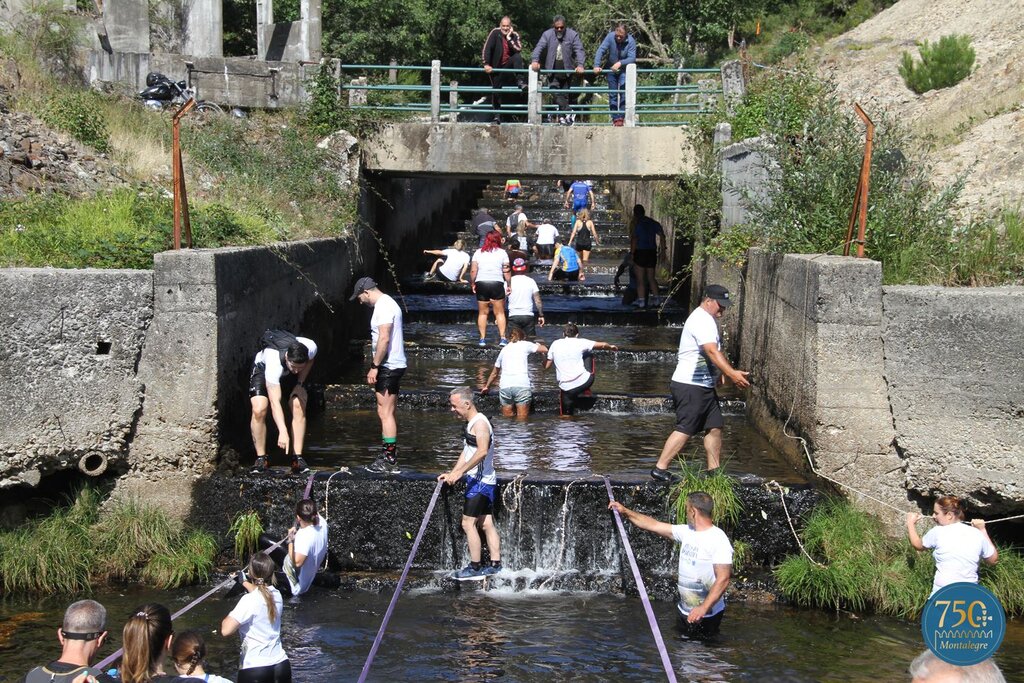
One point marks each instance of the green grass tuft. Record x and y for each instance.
(246, 528)
(718, 485)
(128, 535)
(190, 561)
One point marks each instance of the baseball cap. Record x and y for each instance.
(362, 284)
(719, 294)
(519, 265)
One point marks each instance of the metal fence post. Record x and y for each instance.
(630, 95)
(533, 103)
(453, 102)
(435, 90)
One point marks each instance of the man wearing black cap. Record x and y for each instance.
(693, 383)
(525, 310)
(81, 636)
(386, 367)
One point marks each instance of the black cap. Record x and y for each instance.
(719, 294)
(362, 284)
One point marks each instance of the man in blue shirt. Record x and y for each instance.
(581, 195)
(617, 50)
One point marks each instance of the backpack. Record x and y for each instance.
(278, 339)
(42, 674)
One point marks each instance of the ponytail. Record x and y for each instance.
(263, 572)
(188, 650)
(144, 636)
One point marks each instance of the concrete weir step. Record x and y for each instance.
(558, 309)
(487, 353)
(596, 284)
(359, 397)
(464, 333)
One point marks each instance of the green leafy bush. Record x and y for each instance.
(789, 43)
(246, 528)
(323, 112)
(78, 114)
(943, 64)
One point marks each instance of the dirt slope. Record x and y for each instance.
(977, 125)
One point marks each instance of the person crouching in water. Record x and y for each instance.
(476, 462)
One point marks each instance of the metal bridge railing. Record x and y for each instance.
(653, 97)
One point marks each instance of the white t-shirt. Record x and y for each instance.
(546, 233)
(514, 219)
(520, 299)
(261, 639)
(957, 549)
(567, 356)
(208, 678)
(484, 471)
(699, 552)
(513, 360)
(310, 541)
(273, 370)
(454, 260)
(490, 265)
(387, 311)
(693, 366)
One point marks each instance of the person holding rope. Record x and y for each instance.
(257, 617)
(476, 462)
(81, 636)
(957, 547)
(705, 563)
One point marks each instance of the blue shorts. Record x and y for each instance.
(578, 204)
(479, 498)
(511, 396)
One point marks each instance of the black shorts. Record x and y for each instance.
(583, 243)
(703, 629)
(527, 323)
(490, 291)
(388, 379)
(645, 258)
(258, 382)
(275, 673)
(570, 276)
(546, 250)
(568, 400)
(696, 408)
(442, 277)
(478, 506)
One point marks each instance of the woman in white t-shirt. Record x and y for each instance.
(451, 264)
(490, 275)
(188, 652)
(514, 388)
(257, 617)
(956, 546)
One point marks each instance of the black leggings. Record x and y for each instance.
(275, 673)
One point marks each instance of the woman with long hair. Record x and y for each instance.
(257, 617)
(490, 276)
(188, 652)
(956, 546)
(146, 639)
(583, 235)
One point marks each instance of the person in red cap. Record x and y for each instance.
(701, 365)
(525, 310)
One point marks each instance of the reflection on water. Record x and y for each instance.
(527, 636)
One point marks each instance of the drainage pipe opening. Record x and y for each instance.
(92, 464)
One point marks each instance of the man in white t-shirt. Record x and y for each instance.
(574, 368)
(280, 369)
(306, 548)
(451, 264)
(705, 562)
(700, 359)
(525, 309)
(386, 366)
(546, 234)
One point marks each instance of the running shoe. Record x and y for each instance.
(383, 465)
(664, 475)
(299, 465)
(261, 465)
(490, 570)
(482, 343)
(467, 573)
(428, 276)
(503, 342)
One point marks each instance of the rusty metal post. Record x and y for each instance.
(178, 179)
(859, 214)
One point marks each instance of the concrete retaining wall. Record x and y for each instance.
(812, 336)
(954, 365)
(72, 340)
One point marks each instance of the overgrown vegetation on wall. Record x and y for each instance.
(81, 546)
(855, 565)
(813, 145)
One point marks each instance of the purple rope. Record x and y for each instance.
(665, 661)
(223, 584)
(398, 588)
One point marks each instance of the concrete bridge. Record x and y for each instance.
(471, 150)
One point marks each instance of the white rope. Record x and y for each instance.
(782, 497)
(327, 507)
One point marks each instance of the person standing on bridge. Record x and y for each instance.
(700, 360)
(705, 563)
(561, 49)
(387, 365)
(572, 357)
(617, 50)
(503, 50)
(476, 463)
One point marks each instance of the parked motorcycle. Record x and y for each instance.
(161, 92)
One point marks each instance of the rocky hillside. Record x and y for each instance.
(975, 126)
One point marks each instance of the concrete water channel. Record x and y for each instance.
(565, 607)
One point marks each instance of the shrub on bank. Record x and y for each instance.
(857, 566)
(943, 64)
(77, 546)
(716, 484)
